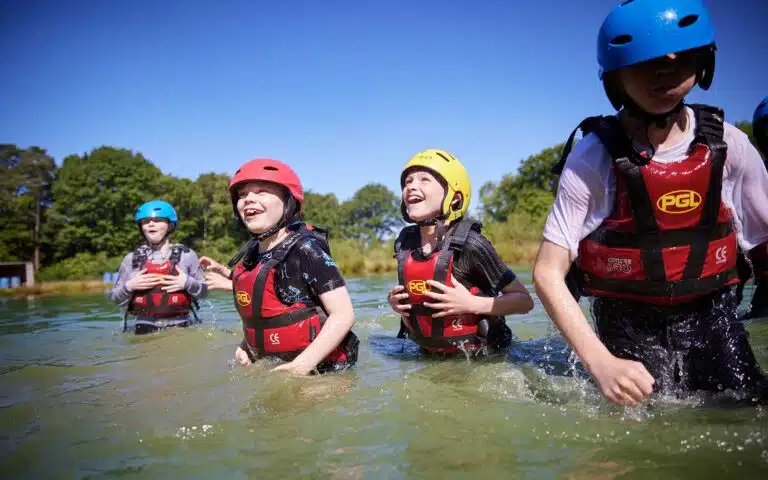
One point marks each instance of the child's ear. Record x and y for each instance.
(458, 201)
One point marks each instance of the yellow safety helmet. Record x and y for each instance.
(454, 176)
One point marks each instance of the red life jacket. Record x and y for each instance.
(441, 334)
(271, 327)
(156, 303)
(669, 238)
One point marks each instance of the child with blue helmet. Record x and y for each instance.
(758, 256)
(651, 207)
(159, 282)
(760, 127)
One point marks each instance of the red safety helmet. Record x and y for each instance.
(267, 170)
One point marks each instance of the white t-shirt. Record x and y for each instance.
(585, 195)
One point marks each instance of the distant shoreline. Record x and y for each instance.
(522, 255)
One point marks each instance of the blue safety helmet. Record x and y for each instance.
(640, 30)
(761, 112)
(157, 209)
(760, 128)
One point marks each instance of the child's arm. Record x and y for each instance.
(217, 276)
(514, 298)
(621, 381)
(195, 284)
(325, 284)
(341, 317)
(120, 293)
(480, 265)
(457, 300)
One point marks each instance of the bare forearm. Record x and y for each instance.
(333, 332)
(506, 304)
(569, 318)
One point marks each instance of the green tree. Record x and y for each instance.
(371, 214)
(96, 199)
(189, 203)
(25, 195)
(323, 210)
(220, 234)
(746, 127)
(531, 189)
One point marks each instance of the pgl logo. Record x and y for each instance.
(243, 299)
(679, 201)
(274, 338)
(418, 287)
(456, 324)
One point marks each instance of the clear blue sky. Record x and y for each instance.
(345, 91)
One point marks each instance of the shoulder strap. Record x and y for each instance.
(710, 126)
(405, 234)
(710, 129)
(279, 255)
(401, 254)
(585, 126)
(457, 238)
(243, 253)
(322, 234)
(628, 163)
(176, 252)
(140, 256)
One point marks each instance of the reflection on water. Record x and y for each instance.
(80, 398)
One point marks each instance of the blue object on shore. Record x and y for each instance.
(5, 282)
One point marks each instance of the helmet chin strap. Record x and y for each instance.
(659, 120)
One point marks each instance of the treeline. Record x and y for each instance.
(75, 220)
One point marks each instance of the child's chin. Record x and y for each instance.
(257, 229)
(419, 217)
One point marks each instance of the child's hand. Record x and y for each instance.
(143, 281)
(621, 381)
(175, 283)
(241, 357)
(216, 281)
(395, 296)
(454, 300)
(294, 368)
(211, 265)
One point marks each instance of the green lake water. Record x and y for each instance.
(81, 399)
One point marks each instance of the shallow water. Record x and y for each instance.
(79, 398)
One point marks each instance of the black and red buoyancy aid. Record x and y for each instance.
(271, 327)
(442, 334)
(156, 303)
(670, 238)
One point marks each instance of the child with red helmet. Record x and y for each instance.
(287, 289)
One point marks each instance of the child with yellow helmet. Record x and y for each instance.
(453, 289)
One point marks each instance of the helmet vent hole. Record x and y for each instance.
(443, 157)
(621, 39)
(687, 21)
(271, 168)
(762, 105)
(626, 3)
